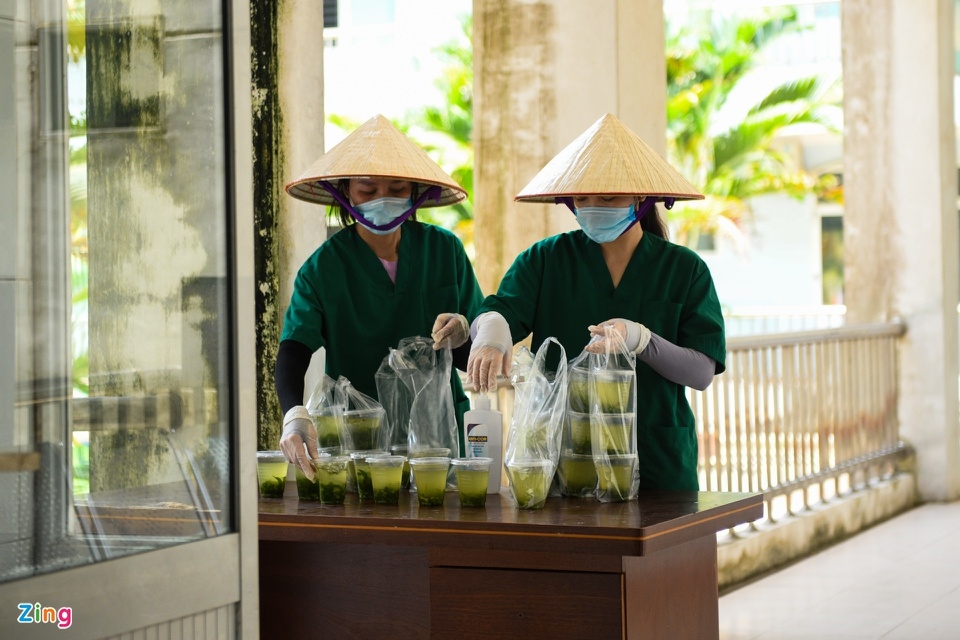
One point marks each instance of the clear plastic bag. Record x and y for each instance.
(396, 400)
(534, 436)
(326, 413)
(602, 420)
(425, 376)
(363, 419)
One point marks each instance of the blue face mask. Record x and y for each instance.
(605, 224)
(383, 211)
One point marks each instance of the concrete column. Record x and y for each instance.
(287, 52)
(544, 72)
(900, 220)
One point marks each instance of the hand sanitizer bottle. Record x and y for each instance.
(483, 435)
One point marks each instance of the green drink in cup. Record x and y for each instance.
(580, 441)
(613, 389)
(430, 477)
(307, 490)
(615, 474)
(271, 473)
(472, 477)
(427, 452)
(401, 450)
(328, 423)
(530, 482)
(361, 471)
(614, 431)
(361, 429)
(578, 475)
(385, 474)
(332, 478)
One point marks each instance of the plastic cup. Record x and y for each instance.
(472, 477)
(613, 432)
(271, 473)
(328, 423)
(332, 474)
(361, 471)
(430, 476)
(578, 475)
(615, 474)
(529, 482)
(614, 390)
(307, 489)
(428, 452)
(361, 429)
(385, 475)
(402, 450)
(580, 440)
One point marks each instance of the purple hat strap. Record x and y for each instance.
(645, 206)
(432, 192)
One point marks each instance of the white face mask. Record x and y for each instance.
(382, 211)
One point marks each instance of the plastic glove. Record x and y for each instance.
(634, 335)
(492, 344)
(450, 329)
(298, 429)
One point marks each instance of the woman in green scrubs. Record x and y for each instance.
(384, 278)
(618, 272)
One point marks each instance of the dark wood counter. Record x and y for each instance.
(575, 569)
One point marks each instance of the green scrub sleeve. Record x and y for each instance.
(516, 299)
(701, 322)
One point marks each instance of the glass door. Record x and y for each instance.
(118, 404)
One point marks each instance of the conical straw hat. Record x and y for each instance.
(608, 158)
(375, 149)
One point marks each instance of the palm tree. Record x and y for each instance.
(706, 59)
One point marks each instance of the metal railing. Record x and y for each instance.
(801, 416)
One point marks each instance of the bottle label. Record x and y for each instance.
(476, 440)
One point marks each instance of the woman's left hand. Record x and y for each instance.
(450, 329)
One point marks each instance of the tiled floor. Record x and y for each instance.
(899, 580)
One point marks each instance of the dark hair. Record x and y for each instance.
(652, 222)
(340, 212)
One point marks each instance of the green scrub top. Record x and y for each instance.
(561, 285)
(344, 300)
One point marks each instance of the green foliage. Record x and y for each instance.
(707, 60)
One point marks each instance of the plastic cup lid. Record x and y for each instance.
(480, 463)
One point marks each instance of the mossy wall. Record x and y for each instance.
(267, 190)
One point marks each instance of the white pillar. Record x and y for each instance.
(544, 72)
(900, 220)
(300, 87)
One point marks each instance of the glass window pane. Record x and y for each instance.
(119, 440)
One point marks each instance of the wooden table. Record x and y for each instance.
(575, 569)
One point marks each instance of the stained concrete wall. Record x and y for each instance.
(544, 72)
(900, 221)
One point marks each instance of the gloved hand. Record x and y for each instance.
(634, 335)
(298, 429)
(492, 344)
(450, 329)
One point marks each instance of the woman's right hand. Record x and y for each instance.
(492, 344)
(298, 429)
(483, 366)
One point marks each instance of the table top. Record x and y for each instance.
(654, 521)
